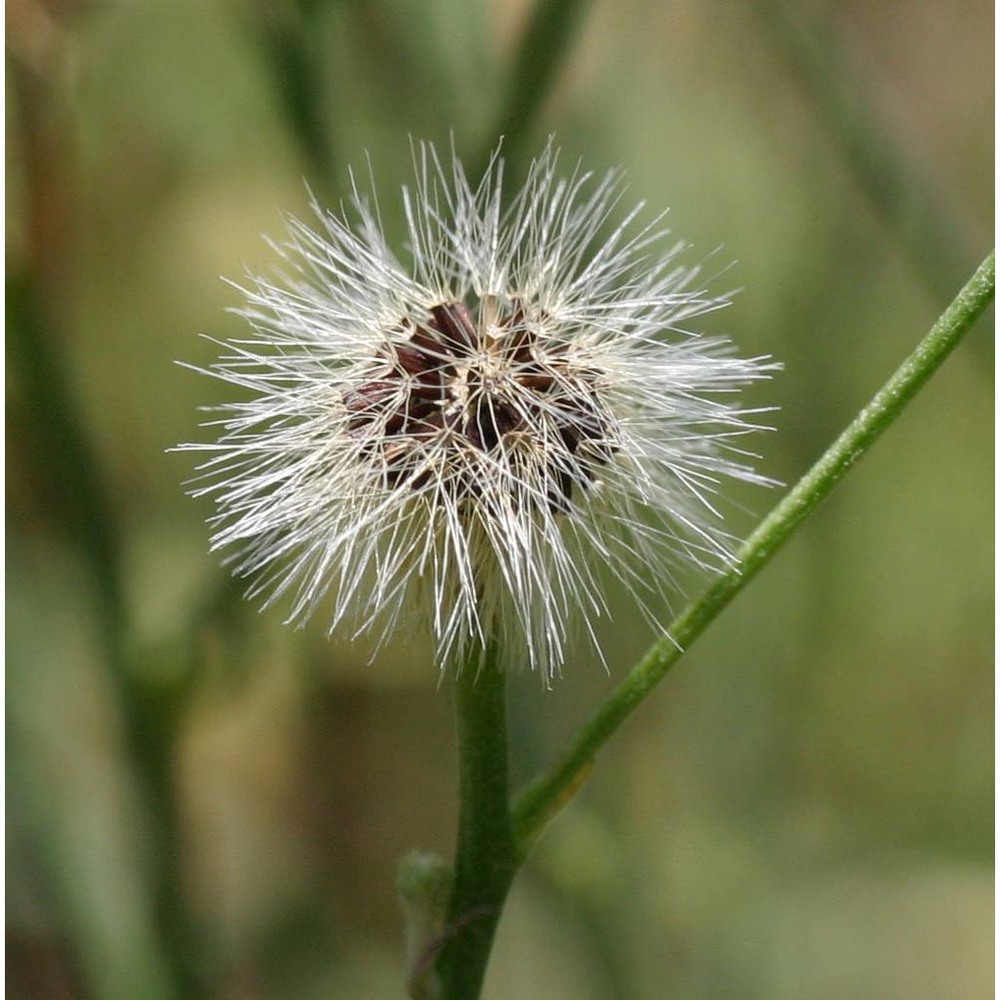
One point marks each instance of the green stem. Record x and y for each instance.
(546, 793)
(486, 856)
(544, 45)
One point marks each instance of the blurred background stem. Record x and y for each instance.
(537, 802)
(150, 713)
(911, 203)
(545, 43)
(296, 50)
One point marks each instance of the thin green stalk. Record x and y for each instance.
(544, 44)
(486, 855)
(545, 794)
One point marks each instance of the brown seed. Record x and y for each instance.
(455, 325)
(419, 401)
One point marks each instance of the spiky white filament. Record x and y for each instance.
(316, 520)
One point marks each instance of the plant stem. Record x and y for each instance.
(486, 857)
(69, 473)
(545, 42)
(545, 794)
(915, 211)
(293, 43)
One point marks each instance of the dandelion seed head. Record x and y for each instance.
(481, 433)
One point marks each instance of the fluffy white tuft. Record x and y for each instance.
(484, 431)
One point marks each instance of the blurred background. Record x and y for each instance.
(203, 804)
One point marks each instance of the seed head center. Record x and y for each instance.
(450, 391)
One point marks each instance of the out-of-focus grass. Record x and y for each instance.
(804, 809)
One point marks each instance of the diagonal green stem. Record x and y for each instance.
(486, 856)
(546, 793)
